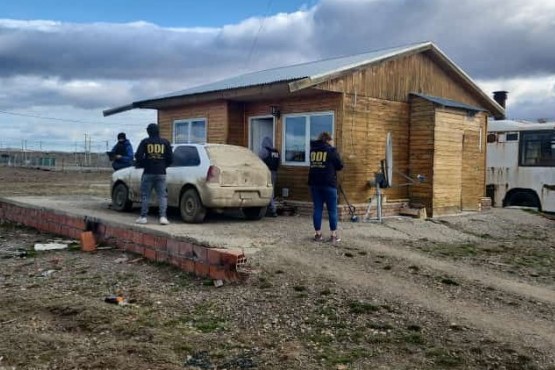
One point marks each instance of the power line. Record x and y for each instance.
(258, 33)
(51, 118)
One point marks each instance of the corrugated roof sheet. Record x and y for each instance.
(510, 125)
(295, 72)
(449, 103)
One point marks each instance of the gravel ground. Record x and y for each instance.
(475, 291)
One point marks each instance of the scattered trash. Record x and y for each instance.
(115, 299)
(47, 273)
(88, 241)
(50, 246)
(21, 253)
(136, 260)
(218, 283)
(121, 260)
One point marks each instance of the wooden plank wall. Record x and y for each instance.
(295, 178)
(421, 149)
(228, 123)
(395, 79)
(365, 126)
(216, 114)
(474, 162)
(459, 164)
(448, 159)
(237, 124)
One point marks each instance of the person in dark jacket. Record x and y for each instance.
(271, 157)
(154, 155)
(322, 179)
(122, 153)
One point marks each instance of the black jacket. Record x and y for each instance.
(154, 154)
(324, 162)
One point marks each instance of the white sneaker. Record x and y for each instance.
(141, 220)
(164, 221)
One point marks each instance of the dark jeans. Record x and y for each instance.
(321, 195)
(158, 182)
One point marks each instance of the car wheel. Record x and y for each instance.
(120, 198)
(191, 208)
(254, 213)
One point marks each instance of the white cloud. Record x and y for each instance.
(52, 67)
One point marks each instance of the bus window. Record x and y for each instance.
(537, 149)
(512, 136)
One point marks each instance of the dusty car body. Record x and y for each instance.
(204, 177)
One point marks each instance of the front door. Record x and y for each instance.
(259, 128)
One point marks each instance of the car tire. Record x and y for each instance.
(120, 198)
(191, 208)
(254, 213)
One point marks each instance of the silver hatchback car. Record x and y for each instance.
(204, 177)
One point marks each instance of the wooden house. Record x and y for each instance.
(436, 114)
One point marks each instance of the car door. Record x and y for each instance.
(186, 169)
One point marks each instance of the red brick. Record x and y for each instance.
(217, 273)
(175, 261)
(139, 249)
(161, 256)
(199, 253)
(229, 257)
(150, 254)
(201, 269)
(54, 228)
(88, 242)
(173, 247)
(188, 265)
(185, 249)
(137, 237)
(70, 232)
(213, 256)
(78, 223)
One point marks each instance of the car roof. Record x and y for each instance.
(209, 145)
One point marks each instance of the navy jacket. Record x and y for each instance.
(324, 164)
(125, 149)
(154, 154)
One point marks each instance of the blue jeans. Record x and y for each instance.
(321, 195)
(158, 182)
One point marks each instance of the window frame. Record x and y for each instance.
(189, 122)
(307, 123)
(522, 147)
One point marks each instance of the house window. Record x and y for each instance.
(189, 131)
(299, 130)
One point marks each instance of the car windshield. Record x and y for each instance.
(227, 155)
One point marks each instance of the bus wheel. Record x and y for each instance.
(524, 199)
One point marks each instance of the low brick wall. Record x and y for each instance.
(190, 256)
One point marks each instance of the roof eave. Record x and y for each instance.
(492, 106)
(318, 79)
(120, 109)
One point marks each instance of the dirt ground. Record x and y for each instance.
(475, 291)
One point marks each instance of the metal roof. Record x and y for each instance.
(450, 103)
(510, 125)
(301, 76)
(311, 70)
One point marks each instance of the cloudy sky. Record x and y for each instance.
(62, 62)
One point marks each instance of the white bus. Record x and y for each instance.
(520, 165)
